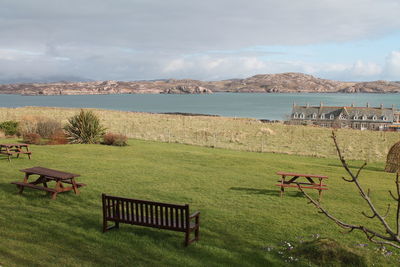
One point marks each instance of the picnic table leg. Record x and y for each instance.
(58, 189)
(29, 154)
(282, 188)
(45, 184)
(21, 188)
(8, 154)
(74, 186)
(18, 150)
(320, 190)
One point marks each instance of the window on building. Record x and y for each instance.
(301, 115)
(295, 115)
(323, 116)
(384, 118)
(355, 117)
(374, 118)
(364, 117)
(314, 115)
(342, 117)
(331, 117)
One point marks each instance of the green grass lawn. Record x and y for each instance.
(241, 211)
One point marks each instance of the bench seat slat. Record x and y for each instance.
(52, 190)
(287, 182)
(147, 222)
(310, 187)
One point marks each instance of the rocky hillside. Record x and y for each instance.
(262, 83)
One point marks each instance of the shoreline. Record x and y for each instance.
(216, 92)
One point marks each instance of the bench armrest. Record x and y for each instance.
(194, 215)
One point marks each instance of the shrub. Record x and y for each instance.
(58, 138)
(32, 138)
(9, 127)
(27, 125)
(113, 139)
(84, 128)
(46, 128)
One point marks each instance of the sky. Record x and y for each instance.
(349, 40)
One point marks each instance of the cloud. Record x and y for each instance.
(137, 39)
(393, 66)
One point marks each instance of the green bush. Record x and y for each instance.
(9, 127)
(84, 128)
(113, 139)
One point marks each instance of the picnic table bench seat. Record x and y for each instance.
(150, 214)
(22, 184)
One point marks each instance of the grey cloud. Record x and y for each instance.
(138, 39)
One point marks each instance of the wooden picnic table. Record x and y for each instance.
(49, 175)
(309, 184)
(11, 149)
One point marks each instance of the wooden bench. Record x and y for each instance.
(310, 184)
(151, 214)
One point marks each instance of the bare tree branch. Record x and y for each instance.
(347, 180)
(391, 194)
(361, 190)
(370, 217)
(388, 237)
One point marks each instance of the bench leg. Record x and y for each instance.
(196, 234)
(54, 195)
(106, 227)
(189, 241)
(187, 236)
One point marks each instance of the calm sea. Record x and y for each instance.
(251, 105)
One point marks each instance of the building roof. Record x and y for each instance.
(353, 113)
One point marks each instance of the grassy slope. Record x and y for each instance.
(238, 134)
(241, 211)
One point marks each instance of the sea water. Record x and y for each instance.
(250, 105)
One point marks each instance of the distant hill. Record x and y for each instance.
(262, 83)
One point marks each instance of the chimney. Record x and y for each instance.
(352, 105)
(294, 104)
(381, 106)
(321, 104)
(308, 105)
(393, 108)
(367, 105)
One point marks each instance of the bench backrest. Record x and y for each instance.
(147, 213)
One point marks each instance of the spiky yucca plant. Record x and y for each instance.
(84, 128)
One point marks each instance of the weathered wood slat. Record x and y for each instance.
(51, 190)
(302, 175)
(309, 187)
